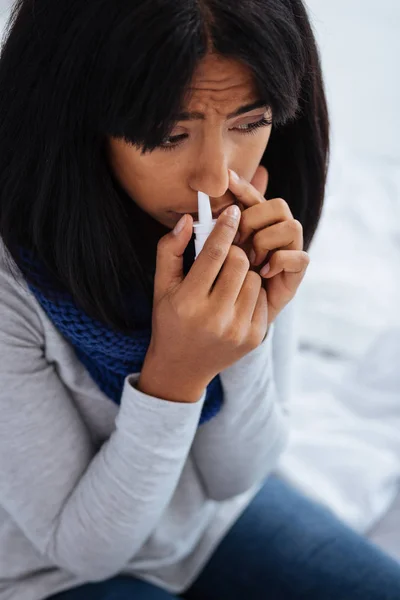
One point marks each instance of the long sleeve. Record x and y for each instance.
(241, 445)
(87, 510)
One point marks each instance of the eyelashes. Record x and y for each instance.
(251, 128)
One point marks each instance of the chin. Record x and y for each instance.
(165, 221)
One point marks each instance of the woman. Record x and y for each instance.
(141, 392)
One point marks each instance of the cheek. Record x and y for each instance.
(153, 183)
(250, 152)
(153, 186)
(142, 180)
(261, 141)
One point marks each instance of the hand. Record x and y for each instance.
(269, 231)
(206, 321)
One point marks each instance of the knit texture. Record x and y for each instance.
(109, 356)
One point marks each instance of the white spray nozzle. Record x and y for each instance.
(205, 213)
(204, 226)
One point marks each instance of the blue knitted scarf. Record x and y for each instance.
(108, 356)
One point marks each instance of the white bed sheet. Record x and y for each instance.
(345, 448)
(345, 445)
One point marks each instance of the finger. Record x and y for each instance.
(170, 249)
(230, 280)
(260, 180)
(248, 297)
(286, 235)
(263, 215)
(293, 264)
(210, 260)
(244, 191)
(260, 317)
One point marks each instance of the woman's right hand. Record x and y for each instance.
(206, 321)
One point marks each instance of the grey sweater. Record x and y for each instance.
(89, 489)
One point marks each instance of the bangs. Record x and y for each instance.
(262, 34)
(143, 75)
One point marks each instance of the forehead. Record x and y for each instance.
(222, 84)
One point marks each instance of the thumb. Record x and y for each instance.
(170, 250)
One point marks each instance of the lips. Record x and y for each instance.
(215, 214)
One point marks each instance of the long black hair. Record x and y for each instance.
(73, 72)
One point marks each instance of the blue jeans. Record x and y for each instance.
(283, 547)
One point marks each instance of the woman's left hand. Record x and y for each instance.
(269, 231)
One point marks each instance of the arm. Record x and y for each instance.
(88, 511)
(241, 445)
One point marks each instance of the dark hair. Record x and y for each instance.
(74, 71)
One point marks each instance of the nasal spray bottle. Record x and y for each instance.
(204, 226)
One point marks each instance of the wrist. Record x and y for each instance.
(160, 381)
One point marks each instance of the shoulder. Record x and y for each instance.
(19, 316)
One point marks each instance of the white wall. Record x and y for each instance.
(360, 47)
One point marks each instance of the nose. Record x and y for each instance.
(210, 173)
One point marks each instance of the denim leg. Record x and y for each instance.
(119, 588)
(286, 547)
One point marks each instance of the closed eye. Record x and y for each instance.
(264, 122)
(174, 141)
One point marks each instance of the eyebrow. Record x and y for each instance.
(194, 116)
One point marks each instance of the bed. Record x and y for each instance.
(345, 447)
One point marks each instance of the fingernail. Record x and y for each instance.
(233, 211)
(234, 176)
(252, 256)
(265, 270)
(180, 225)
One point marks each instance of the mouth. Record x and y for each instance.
(195, 215)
